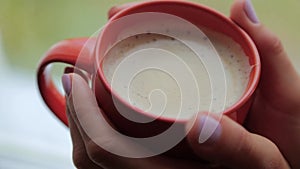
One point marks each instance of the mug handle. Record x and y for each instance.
(66, 51)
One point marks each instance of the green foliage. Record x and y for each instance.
(30, 27)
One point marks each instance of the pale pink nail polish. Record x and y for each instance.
(250, 11)
(67, 83)
(210, 130)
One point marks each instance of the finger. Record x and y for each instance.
(118, 8)
(100, 140)
(84, 75)
(80, 157)
(232, 146)
(278, 73)
(279, 85)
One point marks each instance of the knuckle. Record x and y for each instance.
(274, 160)
(93, 151)
(275, 46)
(243, 145)
(80, 160)
(97, 153)
(274, 164)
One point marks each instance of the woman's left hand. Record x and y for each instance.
(224, 147)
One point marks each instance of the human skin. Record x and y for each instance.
(269, 139)
(275, 113)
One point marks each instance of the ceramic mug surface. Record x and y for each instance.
(68, 51)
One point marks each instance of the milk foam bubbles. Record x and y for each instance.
(157, 91)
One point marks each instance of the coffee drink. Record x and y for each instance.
(157, 91)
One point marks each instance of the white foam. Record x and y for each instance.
(138, 92)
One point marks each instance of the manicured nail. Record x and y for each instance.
(250, 11)
(210, 130)
(67, 83)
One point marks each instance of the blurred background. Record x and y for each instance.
(30, 136)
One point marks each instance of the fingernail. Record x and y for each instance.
(210, 130)
(67, 83)
(250, 11)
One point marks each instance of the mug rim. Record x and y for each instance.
(252, 83)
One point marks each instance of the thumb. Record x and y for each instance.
(232, 146)
(276, 66)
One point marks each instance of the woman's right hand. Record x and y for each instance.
(275, 113)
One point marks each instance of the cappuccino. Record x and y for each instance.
(157, 91)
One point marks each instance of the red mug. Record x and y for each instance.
(68, 52)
